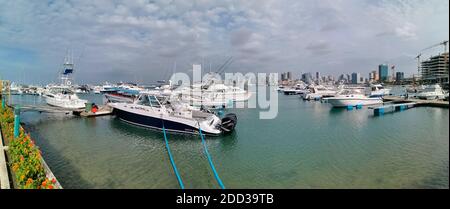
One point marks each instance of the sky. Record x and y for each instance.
(147, 40)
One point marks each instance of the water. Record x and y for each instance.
(309, 145)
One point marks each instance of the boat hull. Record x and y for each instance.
(157, 123)
(67, 104)
(353, 102)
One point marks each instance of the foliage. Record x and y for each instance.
(25, 156)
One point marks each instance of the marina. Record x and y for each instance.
(224, 95)
(112, 154)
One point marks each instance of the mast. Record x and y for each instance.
(68, 68)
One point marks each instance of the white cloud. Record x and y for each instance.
(146, 37)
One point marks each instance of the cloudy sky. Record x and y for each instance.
(141, 40)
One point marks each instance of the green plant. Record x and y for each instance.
(25, 156)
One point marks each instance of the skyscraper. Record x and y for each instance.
(356, 78)
(383, 72)
(376, 75)
(371, 76)
(399, 76)
(289, 75)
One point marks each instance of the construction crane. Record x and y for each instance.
(444, 43)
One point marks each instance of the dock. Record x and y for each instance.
(385, 108)
(398, 104)
(43, 109)
(102, 111)
(419, 102)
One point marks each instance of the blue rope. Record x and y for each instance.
(171, 159)
(216, 175)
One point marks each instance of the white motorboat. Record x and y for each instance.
(15, 89)
(319, 92)
(431, 92)
(293, 91)
(378, 90)
(118, 97)
(211, 96)
(352, 97)
(64, 97)
(280, 88)
(413, 91)
(152, 111)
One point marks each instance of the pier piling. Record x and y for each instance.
(16, 121)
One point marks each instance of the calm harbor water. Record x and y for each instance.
(309, 145)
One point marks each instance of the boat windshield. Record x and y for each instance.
(149, 100)
(60, 90)
(350, 91)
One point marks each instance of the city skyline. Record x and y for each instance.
(143, 41)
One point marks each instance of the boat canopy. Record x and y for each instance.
(148, 100)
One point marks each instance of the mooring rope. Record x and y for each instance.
(211, 164)
(175, 170)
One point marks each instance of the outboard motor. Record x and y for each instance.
(228, 123)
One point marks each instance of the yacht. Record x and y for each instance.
(120, 95)
(62, 95)
(413, 91)
(212, 96)
(156, 112)
(431, 92)
(352, 97)
(378, 90)
(319, 92)
(15, 89)
(280, 88)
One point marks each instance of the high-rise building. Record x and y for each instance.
(435, 69)
(307, 78)
(399, 76)
(356, 78)
(383, 72)
(289, 75)
(318, 76)
(376, 76)
(371, 77)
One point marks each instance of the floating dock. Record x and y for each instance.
(398, 104)
(419, 102)
(43, 109)
(380, 110)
